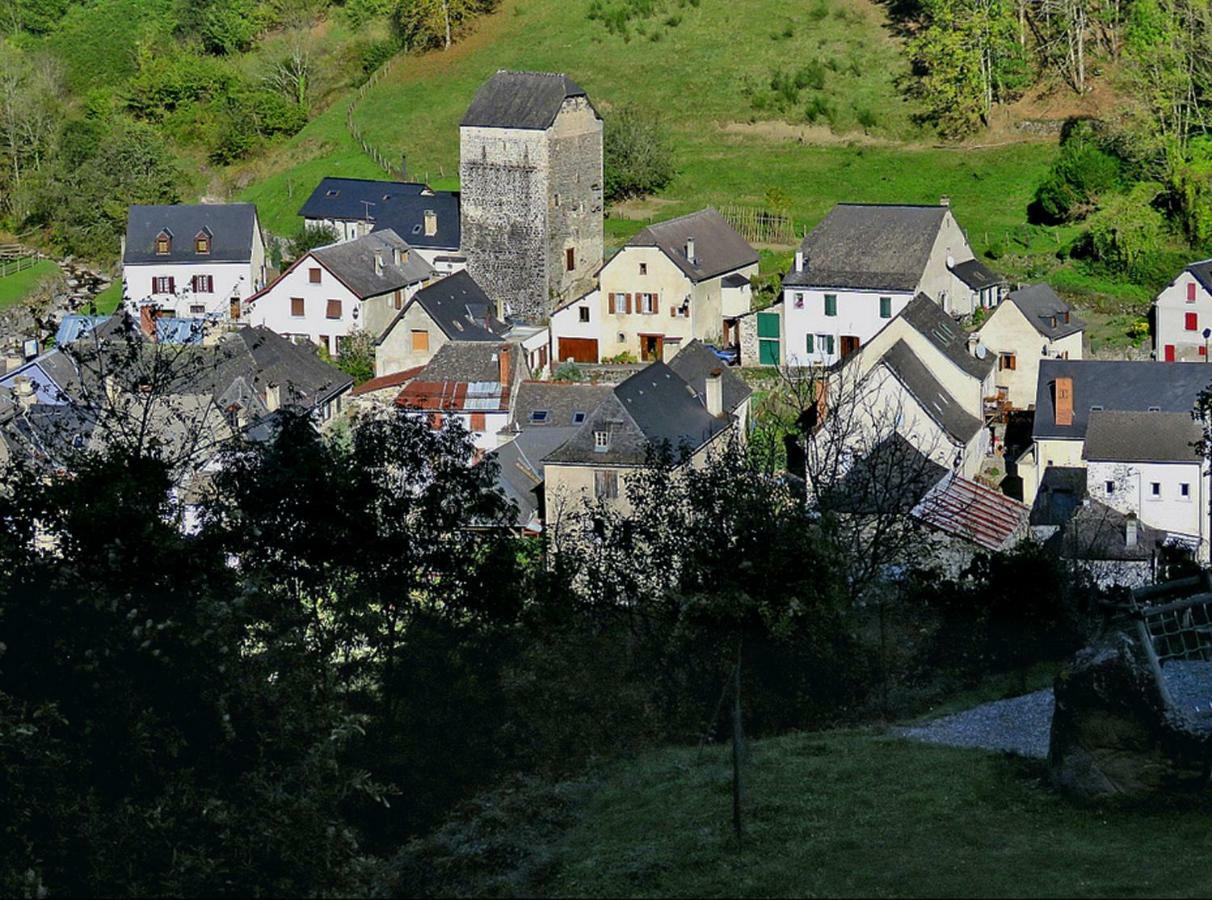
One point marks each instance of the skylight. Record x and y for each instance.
(578, 418)
(538, 415)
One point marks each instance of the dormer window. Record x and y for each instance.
(331, 193)
(202, 242)
(601, 441)
(164, 243)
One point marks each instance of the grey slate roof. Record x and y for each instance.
(469, 361)
(869, 246)
(458, 306)
(928, 318)
(1115, 385)
(717, 246)
(1203, 273)
(694, 362)
(935, 399)
(520, 469)
(1049, 314)
(529, 100)
(653, 407)
(398, 205)
(231, 227)
(560, 401)
(1097, 532)
(353, 262)
(976, 274)
(1117, 436)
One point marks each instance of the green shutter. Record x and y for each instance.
(885, 307)
(808, 343)
(829, 344)
(831, 304)
(768, 353)
(768, 325)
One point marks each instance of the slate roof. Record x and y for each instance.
(652, 408)
(735, 280)
(468, 361)
(893, 477)
(717, 246)
(1203, 273)
(977, 275)
(1097, 532)
(1117, 436)
(463, 376)
(353, 262)
(559, 403)
(1115, 385)
(869, 246)
(231, 226)
(528, 100)
(458, 306)
(935, 399)
(964, 508)
(1049, 314)
(396, 205)
(1061, 491)
(694, 362)
(520, 470)
(928, 318)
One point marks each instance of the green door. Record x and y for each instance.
(768, 353)
(768, 325)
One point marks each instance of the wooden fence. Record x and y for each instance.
(378, 156)
(14, 258)
(761, 226)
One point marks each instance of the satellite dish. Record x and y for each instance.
(981, 352)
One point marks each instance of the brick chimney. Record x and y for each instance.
(504, 360)
(431, 223)
(147, 321)
(715, 393)
(1062, 400)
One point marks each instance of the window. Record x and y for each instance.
(342, 343)
(296, 307)
(885, 307)
(203, 284)
(1184, 490)
(164, 284)
(477, 421)
(1155, 490)
(202, 243)
(1006, 361)
(1192, 321)
(570, 259)
(538, 416)
(809, 344)
(557, 200)
(606, 485)
(799, 300)
(164, 243)
(824, 344)
(646, 304)
(601, 441)
(1110, 485)
(578, 418)
(397, 299)
(313, 276)
(334, 309)
(643, 268)
(420, 341)
(1191, 292)
(583, 313)
(831, 304)
(197, 309)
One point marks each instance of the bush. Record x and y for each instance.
(1082, 174)
(1127, 229)
(638, 159)
(227, 26)
(818, 108)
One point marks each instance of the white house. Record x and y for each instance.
(355, 207)
(575, 329)
(192, 260)
(860, 267)
(1031, 324)
(330, 292)
(1181, 314)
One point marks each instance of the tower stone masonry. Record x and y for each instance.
(530, 171)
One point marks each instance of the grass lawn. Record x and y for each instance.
(858, 814)
(14, 287)
(107, 301)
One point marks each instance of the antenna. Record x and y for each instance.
(367, 204)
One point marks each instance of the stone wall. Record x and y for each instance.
(574, 206)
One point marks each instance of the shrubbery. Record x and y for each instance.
(638, 159)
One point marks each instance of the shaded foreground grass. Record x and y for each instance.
(858, 814)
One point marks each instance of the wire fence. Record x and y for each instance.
(379, 158)
(1181, 630)
(758, 225)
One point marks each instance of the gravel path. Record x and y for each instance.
(1022, 725)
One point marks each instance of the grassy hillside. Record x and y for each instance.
(709, 76)
(857, 814)
(13, 288)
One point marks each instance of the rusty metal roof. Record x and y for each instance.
(961, 507)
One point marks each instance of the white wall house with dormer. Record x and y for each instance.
(1181, 313)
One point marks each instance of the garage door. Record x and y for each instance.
(583, 350)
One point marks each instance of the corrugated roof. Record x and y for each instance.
(870, 246)
(966, 509)
(396, 205)
(718, 248)
(231, 227)
(1119, 436)
(528, 100)
(383, 382)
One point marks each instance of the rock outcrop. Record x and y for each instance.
(1115, 731)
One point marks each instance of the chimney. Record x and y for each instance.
(378, 262)
(24, 389)
(112, 389)
(147, 321)
(273, 397)
(395, 256)
(799, 260)
(431, 223)
(1062, 400)
(690, 248)
(1130, 530)
(944, 200)
(504, 358)
(1066, 317)
(715, 393)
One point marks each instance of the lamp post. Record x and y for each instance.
(1207, 334)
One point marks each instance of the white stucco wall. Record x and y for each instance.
(1009, 331)
(938, 282)
(1131, 491)
(1170, 310)
(230, 280)
(858, 314)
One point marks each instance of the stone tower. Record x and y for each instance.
(530, 171)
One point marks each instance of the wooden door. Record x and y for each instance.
(850, 343)
(582, 350)
(1169, 353)
(652, 347)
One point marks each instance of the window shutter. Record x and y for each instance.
(172, 284)
(1191, 292)
(334, 309)
(610, 303)
(829, 344)
(808, 343)
(627, 299)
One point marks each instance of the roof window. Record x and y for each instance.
(416, 229)
(578, 418)
(1154, 409)
(331, 193)
(538, 415)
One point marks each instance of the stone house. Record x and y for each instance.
(453, 308)
(331, 292)
(1031, 324)
(860, 267)
(1181, 314)
(192, 260)
(675, 281)
(760, 338)
(531, 205)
